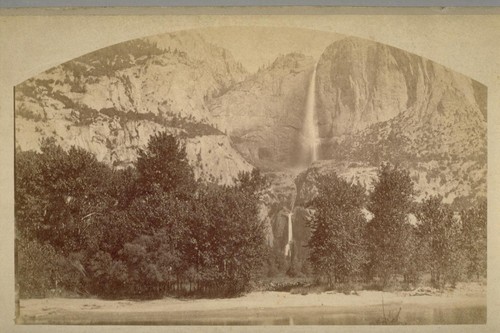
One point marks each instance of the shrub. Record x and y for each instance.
(41, 270)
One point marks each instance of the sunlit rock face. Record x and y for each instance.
(377, 103)
(111, 101)
(360, 83)
(265, 113)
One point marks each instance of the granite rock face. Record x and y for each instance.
(111, 101)
(360, 83)
(376, 103)
(265, 112)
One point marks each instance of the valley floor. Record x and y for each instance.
(465, 305)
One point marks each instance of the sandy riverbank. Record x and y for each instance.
(254, 308)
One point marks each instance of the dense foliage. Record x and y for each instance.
(387, 233)
(337, 245)
(153, 230)
(142, 232)
(440, 236)
(390, 247)
(474, 239)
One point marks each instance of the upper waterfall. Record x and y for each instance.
(310, 129)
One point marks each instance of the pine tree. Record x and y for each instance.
(336, 245)
(164, 164)
(440, 237)
(389, 230)
(474, 239)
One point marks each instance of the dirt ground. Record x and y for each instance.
(259, 308)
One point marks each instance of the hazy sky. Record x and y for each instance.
(257, 46)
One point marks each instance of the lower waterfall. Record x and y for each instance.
(290, 235)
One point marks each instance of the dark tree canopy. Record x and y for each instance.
(337, 249)
(387, 233)
(163, 163)
(474, 241)
(440, 235)
(57, 190)
(153, 230)
(142, 232)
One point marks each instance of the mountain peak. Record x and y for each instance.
(290, 60)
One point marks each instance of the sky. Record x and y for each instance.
(258, 46)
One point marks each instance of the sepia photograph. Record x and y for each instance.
(210, 172)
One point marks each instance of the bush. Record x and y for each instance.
(22, 111)
(43, 271)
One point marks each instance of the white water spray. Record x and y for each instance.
(290, 235)
(290, 228)
(310, 130)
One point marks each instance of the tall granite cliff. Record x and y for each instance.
(360, 83)
(377, 103)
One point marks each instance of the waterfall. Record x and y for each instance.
(290, 235)
(290, 226)
(310, 129)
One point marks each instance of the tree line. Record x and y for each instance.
(153, 230)
(147, 231)
(391, 247)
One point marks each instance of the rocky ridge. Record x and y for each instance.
(112, 100)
